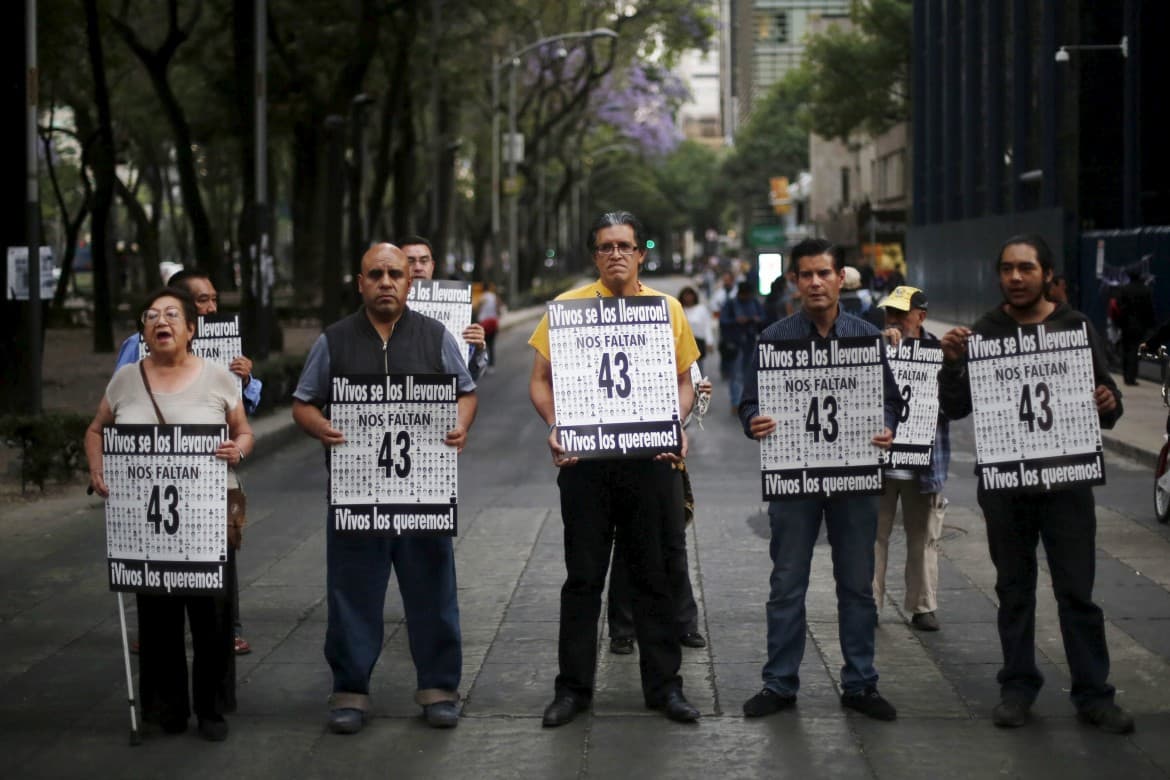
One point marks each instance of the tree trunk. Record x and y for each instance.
(103, 193)
(306, 210)
(404, 162)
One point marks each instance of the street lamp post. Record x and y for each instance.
(512, 61)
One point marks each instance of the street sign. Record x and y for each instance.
(18, 273)
(766, 235)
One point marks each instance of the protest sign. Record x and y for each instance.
(915, 366)
(166, 515)
(615, 382)
(446, 300)
(393, 475)
(826, 399)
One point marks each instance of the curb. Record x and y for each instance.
(1142, 455)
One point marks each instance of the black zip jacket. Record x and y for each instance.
(954, 389)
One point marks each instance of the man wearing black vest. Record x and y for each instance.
(385, 337)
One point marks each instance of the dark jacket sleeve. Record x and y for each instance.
(954, 390)
(1101, 376)
(749, 404)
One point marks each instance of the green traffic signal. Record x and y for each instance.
(651, 243)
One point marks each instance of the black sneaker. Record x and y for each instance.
(1108, 717)
(870, 703)
(1011, 713)
(621, 645)
(767, 702)
(924, 621)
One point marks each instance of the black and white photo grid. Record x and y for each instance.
(915, 367)
(1036, 424)
(394, 475)
(615, 383)
(445, 300)
(217, 340)
(826, 399)
(166, 515)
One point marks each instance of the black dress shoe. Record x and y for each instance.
(692, 639)
(621, 645)
(562, 710)
(677, 708)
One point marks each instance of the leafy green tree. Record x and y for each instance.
(860, 74)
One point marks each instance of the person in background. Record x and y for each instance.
(698, 317)
(1132, 312)
(919, 490)
(487, 312)
(740, 321)
(1058, 289)
(188, 390)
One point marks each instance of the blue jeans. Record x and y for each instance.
(852, 526)
(358, 572)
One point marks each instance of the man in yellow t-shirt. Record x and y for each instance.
(629, 498)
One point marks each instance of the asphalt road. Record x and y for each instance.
(62, 692)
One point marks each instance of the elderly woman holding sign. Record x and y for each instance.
(172, 386)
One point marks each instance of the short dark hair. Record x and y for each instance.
(1034, 240)
(180, 279)
(684, 291)
(612, 219)
(811, 247)
(416, 240)
(190, 313)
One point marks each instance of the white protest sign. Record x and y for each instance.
(915, 366)
(394, 475)
(18, 273)
(1036, 424)
(826, 399)
(166, 515)
(446, 300)
(615, 384)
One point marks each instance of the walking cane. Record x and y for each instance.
(135, 735)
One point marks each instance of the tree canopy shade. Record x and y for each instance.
(859, 76)
(773, 142)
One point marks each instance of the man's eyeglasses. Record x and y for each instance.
(172, 313)
(621, 248)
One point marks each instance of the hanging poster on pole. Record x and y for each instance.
(615, 383)
(445, 300)
(18, 273)
(394, 475)
(166, 515)
(1036, 423)
(915, 365)
(826, 399)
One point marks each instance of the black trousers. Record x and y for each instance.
(621, 612)
(632, 501)
(1130, 341)
(1066, 522)
(162, 659)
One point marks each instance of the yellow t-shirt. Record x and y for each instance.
(686, 351)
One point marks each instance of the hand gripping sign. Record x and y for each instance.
(393, 476)
(915, 366)
(826, 399)
(166, 515)
(615, 383)
(1036, 424)
(445, 300)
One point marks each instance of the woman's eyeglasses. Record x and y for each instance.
(172, 313)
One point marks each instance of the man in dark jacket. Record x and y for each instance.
(1134, 318)
(1065, 518)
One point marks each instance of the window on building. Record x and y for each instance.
(772, 26)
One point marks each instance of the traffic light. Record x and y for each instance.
(651, 243)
